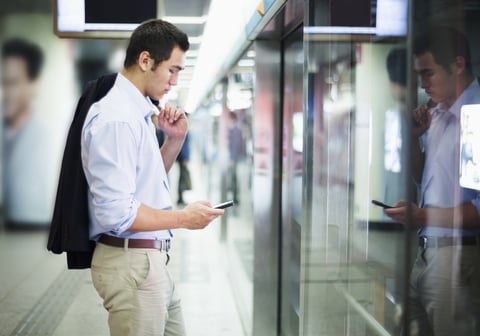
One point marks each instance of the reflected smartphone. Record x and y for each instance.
(383, 205)
(224, 205)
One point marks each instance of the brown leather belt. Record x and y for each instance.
(162, 245)
(425, 242)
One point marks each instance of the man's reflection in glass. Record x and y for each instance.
(445, 281)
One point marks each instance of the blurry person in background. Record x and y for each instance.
(444, 291)
(29, 184)
(236, 149)
(184, 179)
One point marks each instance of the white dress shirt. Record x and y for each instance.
(440, 186)
(122, 162)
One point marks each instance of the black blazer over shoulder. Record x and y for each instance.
(69, 231)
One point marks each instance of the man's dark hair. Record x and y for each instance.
(158, 37)
(445, 44)
(28, 51)
(397, 66)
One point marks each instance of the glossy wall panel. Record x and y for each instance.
(267, 187)
(292, 150)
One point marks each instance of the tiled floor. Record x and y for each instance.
(34, 285)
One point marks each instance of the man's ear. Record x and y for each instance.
(144, 60)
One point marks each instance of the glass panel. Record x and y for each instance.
(353, 256)
(445, 50)
(222, 131)
(240, 231)
(364, 269)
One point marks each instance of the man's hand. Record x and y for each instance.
(199, 214)
(399, 213)
(172, 121)
(421, 120)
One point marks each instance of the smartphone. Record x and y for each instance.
(383, 205)
(224, 205)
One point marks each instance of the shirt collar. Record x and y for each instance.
(468, 96)
(145, 105)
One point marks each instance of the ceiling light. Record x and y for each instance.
(186, 19)
(195, 39)
(246, 63)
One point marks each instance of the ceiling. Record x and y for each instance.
(186, 8)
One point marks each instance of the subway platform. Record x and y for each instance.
(39, 296)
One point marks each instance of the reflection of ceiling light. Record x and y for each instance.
(186, 19)
(246, 63)
(225, 18)
(251, 53)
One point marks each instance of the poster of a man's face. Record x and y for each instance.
(27, 161)
(21, 66)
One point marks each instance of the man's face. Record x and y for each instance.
(17, 87)
(160, 81)
(437, 82)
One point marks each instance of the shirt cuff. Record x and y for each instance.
(127, 223)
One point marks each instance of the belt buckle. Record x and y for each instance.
(423, 242)
(162, 245)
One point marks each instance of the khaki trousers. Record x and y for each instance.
(445, 292)
(137, 291)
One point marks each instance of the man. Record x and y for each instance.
(29, 146)
(236, 153)
(445, 281)
(129, 198)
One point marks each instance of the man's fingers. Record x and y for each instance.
(172, 113)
